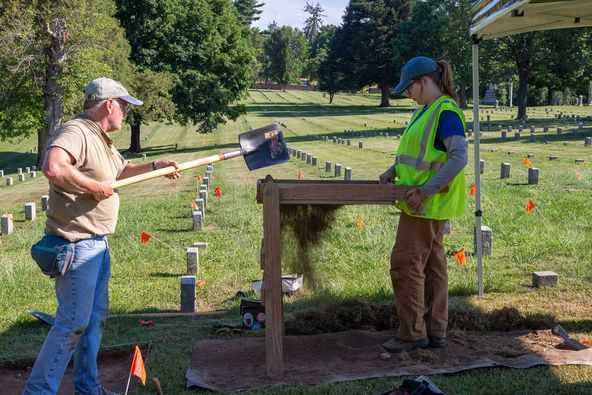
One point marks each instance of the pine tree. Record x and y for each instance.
(313, 24)
(249, 10)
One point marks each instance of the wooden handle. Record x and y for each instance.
(167, 170)
(156, 385)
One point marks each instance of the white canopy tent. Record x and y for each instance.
(499, 18)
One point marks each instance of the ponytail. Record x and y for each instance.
(444, 79)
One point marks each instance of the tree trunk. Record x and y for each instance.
(54, 92)
(384, 93)
(135, 145)
(462, 95)
(331, 95)
(522, 92)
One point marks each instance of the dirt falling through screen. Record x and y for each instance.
(303, 227)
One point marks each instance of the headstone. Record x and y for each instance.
(314, 161)
(544, 279)
(580, 126)
(30, 213)
(505, 171)
(203, 194)
(192, 260)
(339, 140)
(520, 128)
(504, 136)
(209, 174)
(144, 157)
(581, 100)
(303, 156)
(188, 294)
(486, 240)
(348, 142)
(342, 141)
(348, 173)
(588, 142)
(298, 154)
(490, 96)
(1, 173)
(9, 181)
(530, 156)
(21, 177)
(553, 158)
(196, 217)
(206, 181)
(578, 161)
(533, 176)
(532, 138)
(201, 206)
(509, 128)
(360, 144)
(398, 137)
(546, 129)
(532, 129)
(33, 174)
(308, 159)
(6, 224)
(27, 169)
(559, 130)
(338, 170)
(327, 167)
(481, 166)
(44, 202)
(19, 171)
(517, 136)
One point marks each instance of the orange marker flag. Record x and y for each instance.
(530, 206)
(460, 256)
(473, 190)
(199, 178)
(193, 205)
(138, 369)
(145, 237)
(578, 175)
(360, 223)
(218, 191)
(300, 175)
(201, 282)
(526, 162)
(584, 342)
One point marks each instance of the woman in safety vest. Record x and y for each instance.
(432, 155)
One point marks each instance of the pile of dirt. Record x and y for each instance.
(306, 224)
(364, 315)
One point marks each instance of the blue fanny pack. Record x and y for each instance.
(53, 255)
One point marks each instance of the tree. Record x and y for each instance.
(51, 49)
(318, 51)
(203, 44)
(249, 10)
(313, 24)
(286, 48)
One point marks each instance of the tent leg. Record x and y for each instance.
(477, 129)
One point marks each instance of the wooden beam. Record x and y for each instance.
(272, 281)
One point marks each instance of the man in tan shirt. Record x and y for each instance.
(80, 164)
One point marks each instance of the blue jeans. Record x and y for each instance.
(83, 303)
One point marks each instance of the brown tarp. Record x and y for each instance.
(239, 363)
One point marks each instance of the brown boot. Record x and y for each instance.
(397, 345)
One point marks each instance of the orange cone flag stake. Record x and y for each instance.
(526, 162)
(145, 237)
(138, 369)
(530, 206)
(218, 192)
(199, 178)
(578, 175)
(360, 223)
(201, 282)
(193, 205)
(473, 190)
(460, 256)
(300, 175)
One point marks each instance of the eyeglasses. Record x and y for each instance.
(124, 106)
(407, 93)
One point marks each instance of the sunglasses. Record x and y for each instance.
(125, 106)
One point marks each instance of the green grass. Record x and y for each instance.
(351, 262)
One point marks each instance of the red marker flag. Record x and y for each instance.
(201, 282)
(460, 256)
(526, 162)
(530, 206)
(145, 237)
(138, 369)
(199, 178)
(300, 175)
(360, 223)
(193, 205)
(473, 190)
(218, 191)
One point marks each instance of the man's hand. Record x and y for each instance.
(160, 164)
(387, 176)
(415, 198)
(103, 190)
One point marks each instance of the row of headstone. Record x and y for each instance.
(7, 226)
(347, 176)
(188, 281)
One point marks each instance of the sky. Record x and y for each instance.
(290, 12)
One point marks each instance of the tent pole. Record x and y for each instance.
(477, 129)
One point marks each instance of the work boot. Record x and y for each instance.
(437, 341)
(397, 345)
(102, 391)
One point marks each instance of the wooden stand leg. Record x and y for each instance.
(272, 282)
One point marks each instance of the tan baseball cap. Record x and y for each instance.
(106, 88)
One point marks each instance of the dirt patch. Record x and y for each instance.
(363, 315)
(305, 224)
(113, 370)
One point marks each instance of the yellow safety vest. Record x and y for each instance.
(418, 161)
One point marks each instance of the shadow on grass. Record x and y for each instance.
(10, 161)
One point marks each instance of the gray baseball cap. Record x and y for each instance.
(106, 88)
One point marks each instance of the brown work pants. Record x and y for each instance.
(420, 279)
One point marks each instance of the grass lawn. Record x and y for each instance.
(350, 262)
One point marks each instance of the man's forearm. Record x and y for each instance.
(131, 170)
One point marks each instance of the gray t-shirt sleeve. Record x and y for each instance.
(458, 157)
